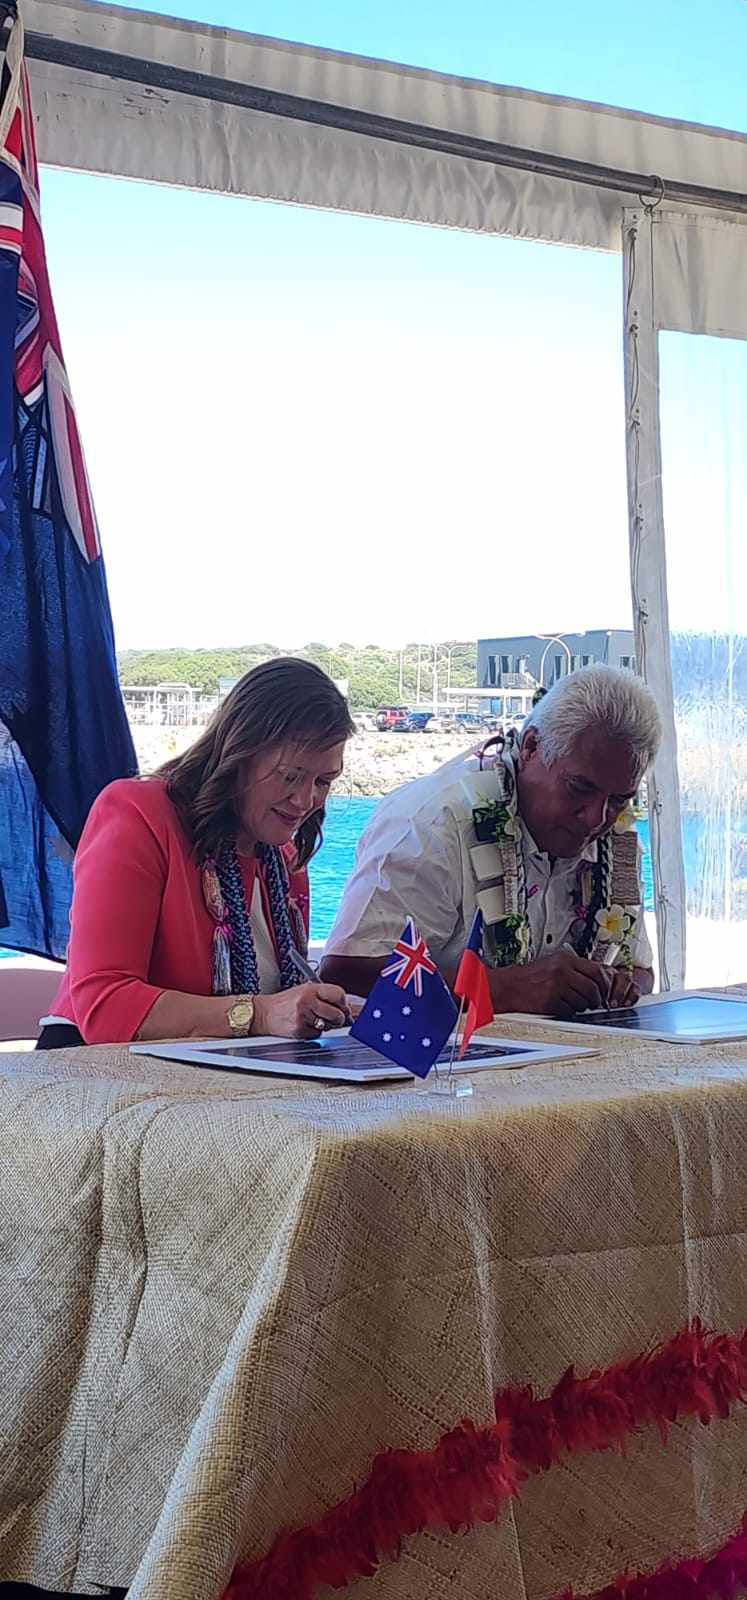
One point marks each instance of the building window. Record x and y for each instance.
(491, 672)
(625, 662)
(506, 663)
(586, 661)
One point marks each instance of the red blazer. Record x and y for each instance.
(138, 923)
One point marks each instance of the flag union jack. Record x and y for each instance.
(411, 960)
(409, 1013)
(63, 729)
(39, 367)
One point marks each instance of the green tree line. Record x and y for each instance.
(374, 673)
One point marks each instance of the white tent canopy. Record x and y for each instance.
(97, 124)
(685, 258)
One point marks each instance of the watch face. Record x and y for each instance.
(241, 1013)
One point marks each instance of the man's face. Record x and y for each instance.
(580, 797)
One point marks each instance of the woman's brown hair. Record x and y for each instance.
(282, 701)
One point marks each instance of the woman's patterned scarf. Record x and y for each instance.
(235, 967)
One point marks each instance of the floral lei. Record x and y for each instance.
(600, 921)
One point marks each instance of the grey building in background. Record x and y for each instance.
(514, 663)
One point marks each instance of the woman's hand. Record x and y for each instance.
(296, 1013)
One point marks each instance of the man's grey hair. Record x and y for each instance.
(617, 703)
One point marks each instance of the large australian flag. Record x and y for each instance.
(63, 729)
(409, 1013)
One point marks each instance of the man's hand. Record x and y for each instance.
(556, 986)
(624, 990)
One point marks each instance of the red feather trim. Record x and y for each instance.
(718, 1577)
(473, 1469)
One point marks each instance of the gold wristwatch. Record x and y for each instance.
(240, 1016)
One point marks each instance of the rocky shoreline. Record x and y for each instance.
(379, 762)
(376, 762)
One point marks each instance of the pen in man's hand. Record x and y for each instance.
(607, 960)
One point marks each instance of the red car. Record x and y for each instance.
(392, 719)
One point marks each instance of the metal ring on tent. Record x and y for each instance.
(651, 204)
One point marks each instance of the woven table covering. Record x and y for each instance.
(222, 1296)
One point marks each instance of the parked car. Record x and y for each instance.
(365, 722)
(392, 719)
(418, 720)
(470, 723)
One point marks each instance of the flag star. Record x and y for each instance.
(387, 1038)
(403, 1036)
(377, 1013)
(407, 1011)
(425, 1043)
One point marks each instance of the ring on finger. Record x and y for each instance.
(318, 1024)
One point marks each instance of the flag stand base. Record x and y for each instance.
(450, 1086)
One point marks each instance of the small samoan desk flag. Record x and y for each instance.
(409, 1014)
(471, 984)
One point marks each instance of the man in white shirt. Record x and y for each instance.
(538, 841)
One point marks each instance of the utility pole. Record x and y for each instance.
(552, 638)
(417, 686)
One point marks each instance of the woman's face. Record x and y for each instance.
(282, 788)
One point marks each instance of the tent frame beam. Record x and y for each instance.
(250, 97)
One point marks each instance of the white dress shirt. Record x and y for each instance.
(414, 860)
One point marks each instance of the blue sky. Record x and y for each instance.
(305, 425)
(672, 58)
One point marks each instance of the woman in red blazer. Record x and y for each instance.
(190, 891)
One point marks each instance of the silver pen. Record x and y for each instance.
(302, 967)
(608, 960)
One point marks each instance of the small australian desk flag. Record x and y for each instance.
(409, 1013)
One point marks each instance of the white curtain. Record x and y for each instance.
(686, 418)
(704, 475)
